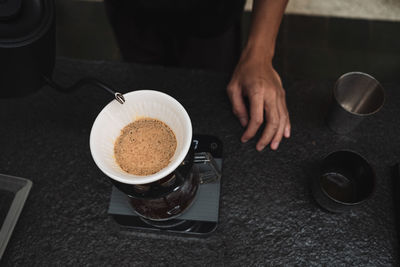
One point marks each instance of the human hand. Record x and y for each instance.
(256, 79)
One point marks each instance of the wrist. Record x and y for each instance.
(259, 52)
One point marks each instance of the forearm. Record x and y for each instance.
(256, 78)
(266, 19)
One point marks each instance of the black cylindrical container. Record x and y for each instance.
(346, 180)
(27, 45)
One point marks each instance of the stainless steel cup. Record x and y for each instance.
(356, 95)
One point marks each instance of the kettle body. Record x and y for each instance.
(27, 45)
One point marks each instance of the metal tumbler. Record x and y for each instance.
(356, 95)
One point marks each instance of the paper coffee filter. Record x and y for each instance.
(114, 117)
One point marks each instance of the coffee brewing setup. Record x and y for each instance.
(183, 196)
(183, 199)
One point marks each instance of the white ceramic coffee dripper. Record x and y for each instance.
(115, 116)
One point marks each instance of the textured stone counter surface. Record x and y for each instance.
(267, 215)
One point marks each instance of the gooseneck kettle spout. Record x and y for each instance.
(86, 81)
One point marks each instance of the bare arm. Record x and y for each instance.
(266, 19)
(255, 78)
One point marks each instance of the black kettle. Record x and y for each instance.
(27, 45)
(27, 49)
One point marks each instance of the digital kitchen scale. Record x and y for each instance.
(201, 218)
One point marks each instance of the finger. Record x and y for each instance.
(238, 106)
(288, 125)
(282, 124)
(272, 126)
(287, 129)
(256, 116)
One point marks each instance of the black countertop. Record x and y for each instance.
(267, 216)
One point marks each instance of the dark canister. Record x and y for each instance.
(346, 180)
(27, 45)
